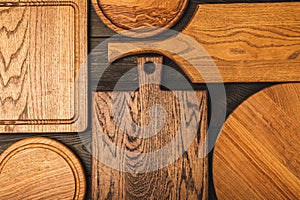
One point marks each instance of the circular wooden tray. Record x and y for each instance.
(40, 168)
(140, 18)
(257, 153)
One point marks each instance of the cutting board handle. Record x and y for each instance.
(149, 71)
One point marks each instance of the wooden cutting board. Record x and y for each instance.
(257, 154)
(140, 18)
(43, 77)
(247, 42)
(40, 168)
(122, 165)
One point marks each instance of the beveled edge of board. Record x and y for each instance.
(133, 33)
(78, 122)
(57, 147)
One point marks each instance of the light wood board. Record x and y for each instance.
(43, 74)
(257, 153)
(185, 178)
(40, 168)
(139, 18)
(247, 42)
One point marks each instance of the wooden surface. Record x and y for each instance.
(250, 42)
(236, 92)
(247, 42)
(139, 18)
(257, 154)
(42, 78)
(186, 178)
(40, 168)
(78, 145)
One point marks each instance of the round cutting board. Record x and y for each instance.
(40, 168)
(257, 153)
(140, 18)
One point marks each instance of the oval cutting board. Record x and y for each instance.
(257, 153)
(40, 168)
(140, 18)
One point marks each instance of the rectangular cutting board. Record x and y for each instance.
(140, 152)
(43, 73)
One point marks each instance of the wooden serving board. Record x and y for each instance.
(140, 18)
(257, 154)
(43, 75)
(40, 168)
(247, 42)
(134, 175)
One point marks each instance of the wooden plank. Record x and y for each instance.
(236, 92)
(250, 42)
(185, 178)
(40, 168)
(42, 71)
(113, 73)
(139, 18)
(257, 153)
(253, 43)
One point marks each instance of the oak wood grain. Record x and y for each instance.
(257, 154)
(40, 168)
(185, 178)
(42, 72)
(139, 18)
(253, 43)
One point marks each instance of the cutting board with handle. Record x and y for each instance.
(149, 143)
(43, 76)
(257, 153)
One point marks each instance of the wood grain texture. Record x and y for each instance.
(185, 178)
(99, 29)
(250, 42)
(42, 71)
(247, 42)
(79, 144)
(257, 154)
(235, 92)
(139, 18)
(40, 168)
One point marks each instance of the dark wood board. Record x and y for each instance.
(145, 175)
